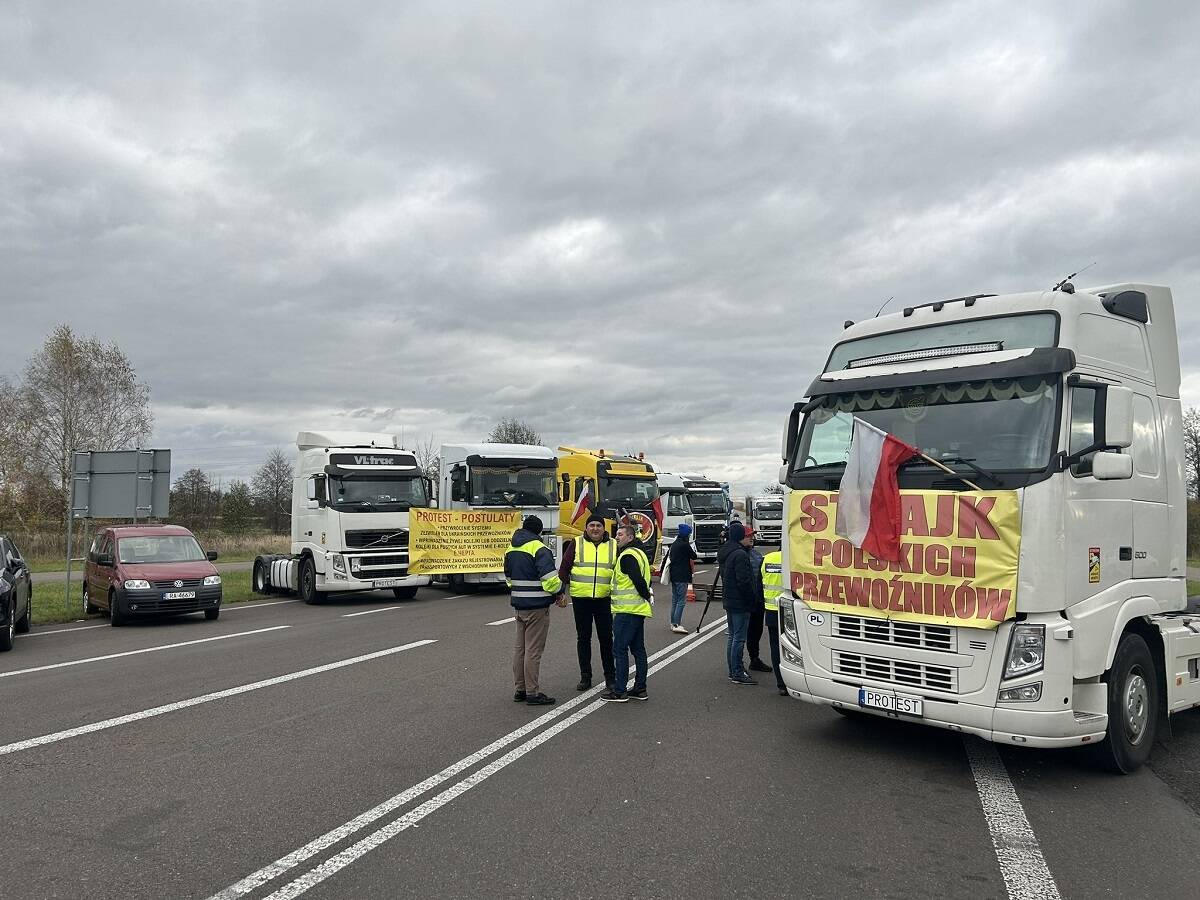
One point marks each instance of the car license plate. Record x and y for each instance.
(180, 595)
(389, 582)
(897, 703)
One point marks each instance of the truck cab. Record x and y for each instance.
(678, 510)
(499, 477)
(619, 488)
(764, 514)
(1039, 598)
(710, 506)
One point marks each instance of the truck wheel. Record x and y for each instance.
(458, 584)
(308, 582)
(88, 605)
(404, 593)
(259, 580)
(116, 618)
(1133, 706)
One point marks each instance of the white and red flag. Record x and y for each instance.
(584, 503)
(868, 509)
(660, 510)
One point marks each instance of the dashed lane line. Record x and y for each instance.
(368, 612)
(503, 621)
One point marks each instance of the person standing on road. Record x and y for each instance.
(681, 561)
(758, 613)
(631, 599)
(772, 582)
(737, 577)
(587, 568)
(535, 585)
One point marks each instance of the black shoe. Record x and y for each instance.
(742, 679)
(757, 665)
(585, 684)
(638, 695)
(613, 697)
(519, 697)
(539, 700)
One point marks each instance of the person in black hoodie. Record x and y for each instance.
(738, 581)
(534, 583)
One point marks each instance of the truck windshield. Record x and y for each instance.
(677, 504)
(629, 493)
(374, 492)
(1000, 425)
(166, 549)
(768, 511)
(512, 486)
(707, 502)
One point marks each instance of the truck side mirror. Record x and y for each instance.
(1110, 466)
(315, 490)
(565, 493)
(791, 432)
(1118, 417)
(458, 483)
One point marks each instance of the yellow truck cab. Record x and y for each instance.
(619, 487)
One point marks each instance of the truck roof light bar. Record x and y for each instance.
(929, 353)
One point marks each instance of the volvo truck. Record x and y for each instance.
(764, 514)
(351, 494)
(620, 488)
(1037, 597)
(504, 477)
(677, 510)
(710, 510)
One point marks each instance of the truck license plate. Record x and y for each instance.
(180, 595)
(388, 582)
(897, 703)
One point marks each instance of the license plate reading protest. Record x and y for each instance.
(180, 595)
(388, 582)
(897, 703)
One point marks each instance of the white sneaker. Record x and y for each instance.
(679, 629)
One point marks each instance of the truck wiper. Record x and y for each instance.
(970, 464)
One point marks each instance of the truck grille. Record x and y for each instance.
(891, 631)
(377, 538)
(708, 538)
(896, 671)
(379, 565)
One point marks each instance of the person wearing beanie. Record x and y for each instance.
(737, 577)
(534, 585)
(587, 568)
(681, 561)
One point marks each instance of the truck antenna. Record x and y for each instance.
(1065, 285)
(885, 303)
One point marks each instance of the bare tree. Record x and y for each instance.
(272, 490)
(772, 487)
(1191, 450)
(513, 431)
(429, 459)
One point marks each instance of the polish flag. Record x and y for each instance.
(583, 504)
(660, 510)
(868, 509)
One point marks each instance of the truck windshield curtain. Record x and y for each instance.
(1000, 425)
(768, 511)
(376, 492)
(512, 486)
(630, 493)
(150, 549)
(707, 502)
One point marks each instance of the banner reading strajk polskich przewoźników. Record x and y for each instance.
(460, 541)
(958, 559)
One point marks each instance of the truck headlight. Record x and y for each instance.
(789, 618)
(1026, 650)
(339, 564)
(137, 584)
(212, 580)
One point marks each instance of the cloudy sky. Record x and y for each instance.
(637, 226)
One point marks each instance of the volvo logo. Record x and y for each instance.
(178, 583)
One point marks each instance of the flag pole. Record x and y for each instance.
(929, 459)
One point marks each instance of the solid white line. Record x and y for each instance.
(196, 701)
(367, 612)
(1026, 875)
(504, 621)
(267, 873)
(370, 842)
(92, 659)
(230, 608)
(67, 630)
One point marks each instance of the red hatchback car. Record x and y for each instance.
(141, 570)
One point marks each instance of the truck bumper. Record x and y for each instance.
(336, 582)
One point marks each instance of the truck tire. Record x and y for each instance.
(458, 584)
(307, 582)
(1133, 706)
(405, 593)
(259, 579)
(116, 618)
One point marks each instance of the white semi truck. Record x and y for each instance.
(497, 477)
(764, 513)
(1046, 609)
(710, 513)
(678, 510)
(351, 494)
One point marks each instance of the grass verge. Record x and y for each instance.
(50, 607)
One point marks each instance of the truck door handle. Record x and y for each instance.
(1125, 554)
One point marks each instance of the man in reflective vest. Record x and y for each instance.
(772, 582)
(534, 585)
(587, 567)
(631, 599)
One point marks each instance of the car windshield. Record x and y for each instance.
(628, 493)
(159, 549)
(512, 486)
(999, 425)
(768, 510)
(707, 502)
(376, 493)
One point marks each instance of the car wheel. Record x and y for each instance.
(405, 593)
(1133, 706)
(6, 634)
(212, 614)
(26, 620)
(88, 606)
(308, 582)
(116, 617)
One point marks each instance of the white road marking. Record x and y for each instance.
(92, 659)
(367, 612)
(237, 606)
(231, 608)
(364, 846)
(504, 621)
(196, 701)
(267, 873)
(67, 630)
(1026, 875)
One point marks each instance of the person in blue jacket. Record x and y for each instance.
(534, 584)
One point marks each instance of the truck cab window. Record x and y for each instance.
(1083, 427)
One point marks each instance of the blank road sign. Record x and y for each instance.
(121, 484)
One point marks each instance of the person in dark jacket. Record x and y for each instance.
(738, 597)
(758, 614)
(681, 560)
(534, 583)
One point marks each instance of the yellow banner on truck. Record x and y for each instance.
(958, 559)
(459, 541)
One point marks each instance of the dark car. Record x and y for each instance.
(147, 570)
(16, 594)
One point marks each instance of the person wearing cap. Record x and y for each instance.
(587, 569)
(758, 614)
(534, 585)
(631, 605)
(681, 560)
(739, 584)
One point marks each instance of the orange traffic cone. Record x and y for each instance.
(691, 594)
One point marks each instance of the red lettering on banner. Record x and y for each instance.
(973, 520)
(912, 597)
(935, 559)
(821, 549)
(943, 600)
(943, 524)
(962, 562)
(859, 592)
(993, 603)
(843, 554)
(912, 516)
(809, 589)
(814, 518)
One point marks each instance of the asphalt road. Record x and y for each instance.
(327, 752)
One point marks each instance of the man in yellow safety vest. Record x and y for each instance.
(534, 587)
(587, 569)
(772, 582)
(631, 599)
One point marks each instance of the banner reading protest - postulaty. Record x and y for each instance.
(958, 559)
(462, 541)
